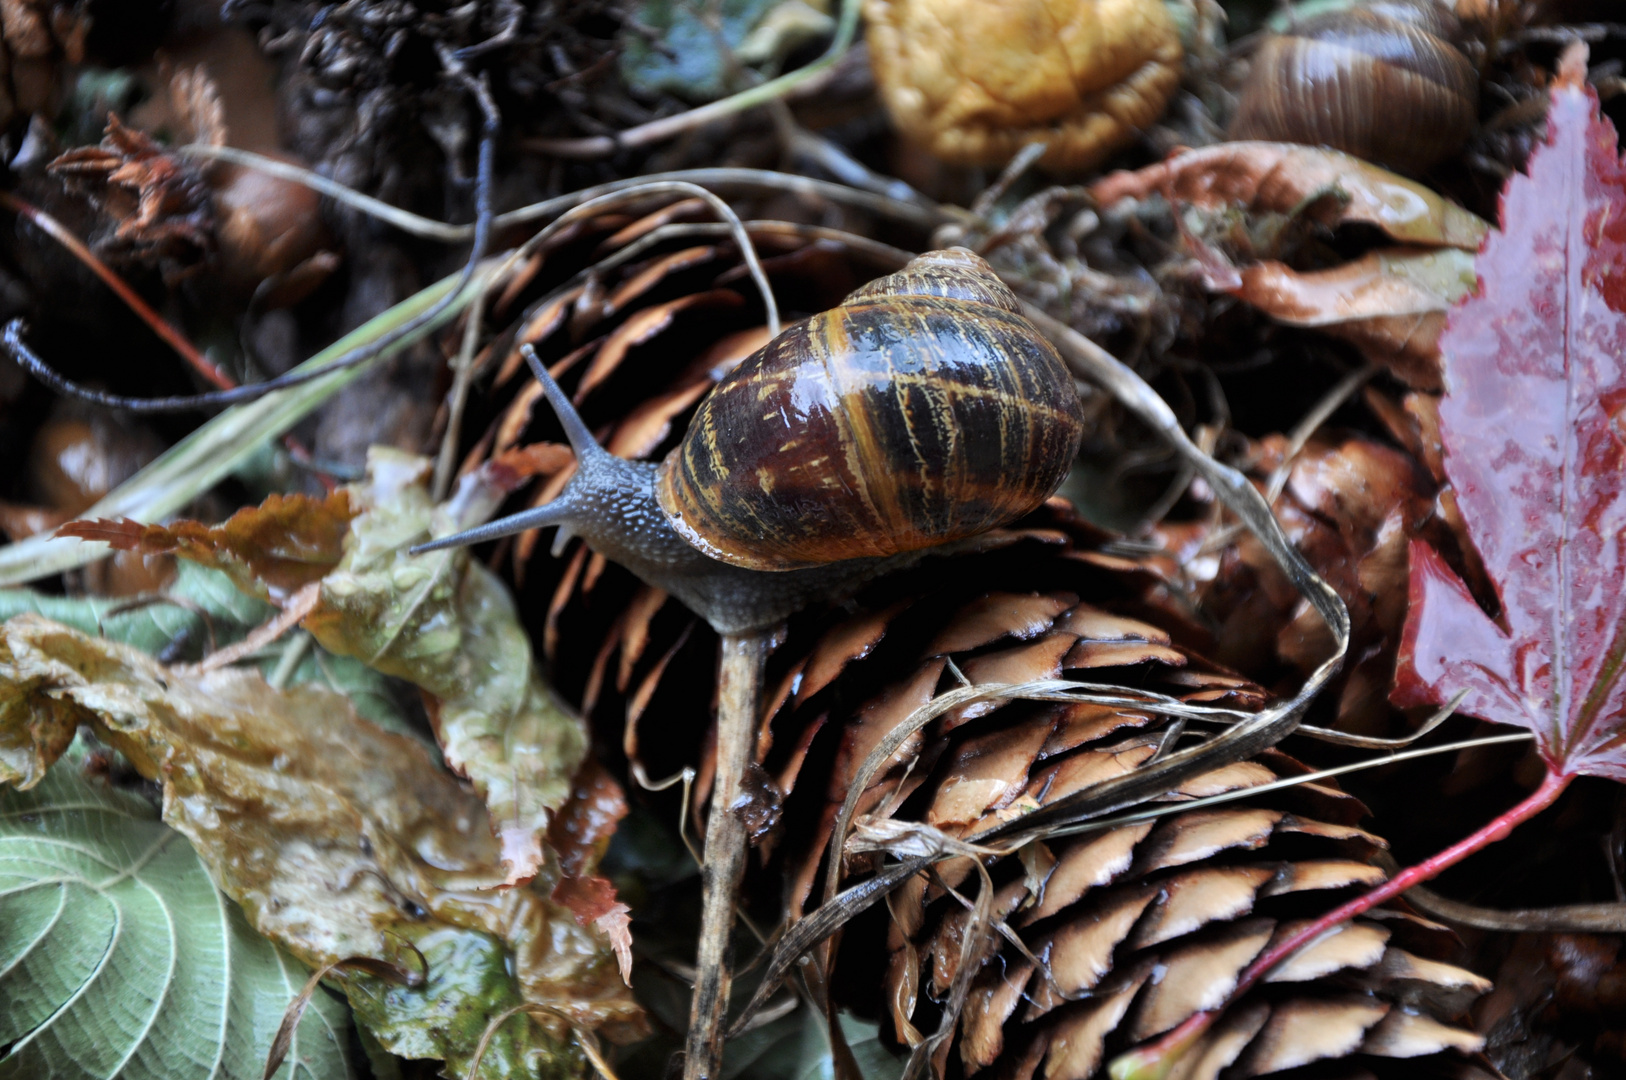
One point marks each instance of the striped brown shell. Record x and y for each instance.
(922, 409)
(1384, 81)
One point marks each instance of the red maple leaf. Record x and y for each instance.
(1534, 428)
(1533, 424)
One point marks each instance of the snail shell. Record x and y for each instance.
(1385, 81)
(922, 410)
(974, 81)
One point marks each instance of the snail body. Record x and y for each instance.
(922, 410)
(1385, 81)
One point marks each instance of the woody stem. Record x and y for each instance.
(723, 863)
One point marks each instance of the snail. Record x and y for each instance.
(974, 82)
(922, 410)
(1385, 81)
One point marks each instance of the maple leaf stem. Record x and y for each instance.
(1154, 1061)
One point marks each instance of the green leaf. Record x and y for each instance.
(340, 840)
(446, 1017)
(118, 956)
(688, 58)
(152, 626)
(797, 1047)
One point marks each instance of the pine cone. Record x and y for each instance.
(1125, 933)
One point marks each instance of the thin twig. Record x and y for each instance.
(906, 210)
(723, 866)
(160, 326)
(463, 368)
(1566, 919)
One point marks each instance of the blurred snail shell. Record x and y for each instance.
(922, 410)
(1385, 81)
(974, 81)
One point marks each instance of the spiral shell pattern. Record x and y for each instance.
(921, 410)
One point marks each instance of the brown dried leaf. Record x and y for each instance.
(272, 550)
(1281, 178)
(1390, 304)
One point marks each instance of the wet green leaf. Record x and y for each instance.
(118, 956)
(446, 1018)
(198, 591)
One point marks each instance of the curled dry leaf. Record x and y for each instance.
(1350, 505)
(580, 833)
(440, 621)
(157, 206)
(339, 839)
(1332, 187)
(1389, 303)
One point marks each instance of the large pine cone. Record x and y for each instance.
(1126, 932)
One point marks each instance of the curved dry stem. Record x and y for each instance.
(585, 1039)
(912, 212)
(1569, 918)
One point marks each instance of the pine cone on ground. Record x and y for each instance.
(1126, 933)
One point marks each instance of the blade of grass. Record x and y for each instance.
(209, 454)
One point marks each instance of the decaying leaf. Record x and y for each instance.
(440, 621)
(339, 839)
(1331, 186)
(1389, 303)
(272, 550)
(156, 204)
(1535, 367)
(118, 956)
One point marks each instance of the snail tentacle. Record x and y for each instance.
(576, 430)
